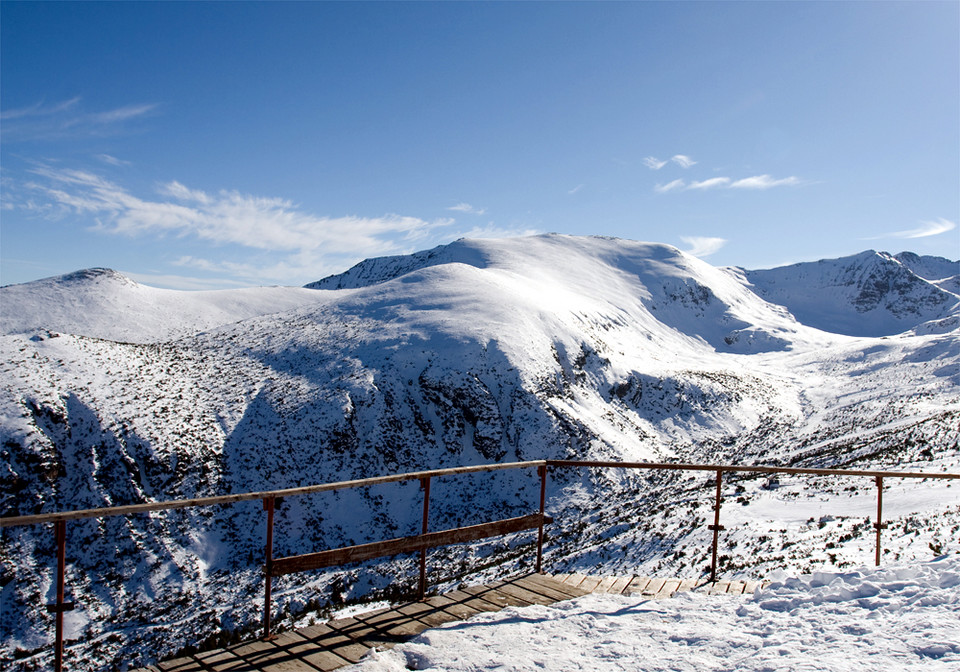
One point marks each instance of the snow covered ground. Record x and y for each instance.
(904, 617)
(550, 347)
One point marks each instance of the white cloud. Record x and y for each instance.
(112, 160)
(755, 182)
(683, 161)
(491, 231)
(925, 230)
(669, 186)
(575, 189)
(184, 282)
(703, 246)
(654, 163)
(764, 182)
(67, 119)
(181, 193)
(256, 222)
(121, 114)
(467, 208)
(712, 183)
(39, 109)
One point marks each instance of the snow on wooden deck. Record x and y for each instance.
(346, 640)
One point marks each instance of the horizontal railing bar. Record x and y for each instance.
(760, 469)
(379, 549)
(11, 521)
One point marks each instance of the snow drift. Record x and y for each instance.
(478, 351)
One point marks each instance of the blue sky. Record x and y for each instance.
(207, 145)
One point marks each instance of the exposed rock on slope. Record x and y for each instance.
(545, 347)
(869, 294)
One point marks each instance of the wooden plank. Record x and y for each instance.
(461, 605)
(335, 640)
(620, 585)
(605, 584)
(396, 624)
(637, 585)
(736, 588)
(538, 584)
(186, 664)
(751, 587)
(688, 584)
(309, 652)
(498, 598)
(575, 580)
(222, 660)
(378, 549)
(718, 587)
(513, 588)
(654, 586)
(554, 587)
(431, 615)
(668, 588)
(589, 583)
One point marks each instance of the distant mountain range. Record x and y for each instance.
(474, 352)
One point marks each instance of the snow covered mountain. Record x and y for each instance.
(102, 303)
(478, 351)
(869, 294)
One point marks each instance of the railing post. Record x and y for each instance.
(60, 533)
(268, 505)
(879, 525)
(542, 471)
(422, 583)
(716, 527)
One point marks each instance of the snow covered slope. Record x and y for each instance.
(102, 303)
(480, 351)
(898, 618)
(869, 294)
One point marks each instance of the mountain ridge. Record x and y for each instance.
(555, 347)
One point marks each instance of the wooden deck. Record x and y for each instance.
(346, 640)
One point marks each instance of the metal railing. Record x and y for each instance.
(421, 542)
(278, 567)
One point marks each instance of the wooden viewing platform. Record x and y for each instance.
(346, 640)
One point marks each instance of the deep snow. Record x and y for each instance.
(480, 351)
(902, 617)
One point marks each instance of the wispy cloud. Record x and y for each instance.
(269, 224)
(575, 189)
(68, 118)
(682, 160)
(39, 109)
(925, 230)
(755, 182)
(491, 231)
(669, 186)
(703, 246)
(184, 282)
(112, 160)
(764, 182)
(712, 183)
(467, 208)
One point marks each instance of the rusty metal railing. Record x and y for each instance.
(278, 567)
(716, 527)
(421, 542)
